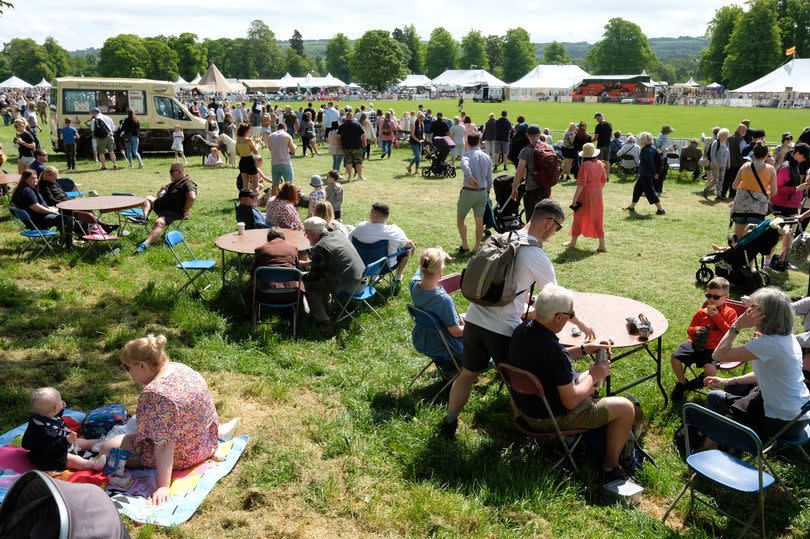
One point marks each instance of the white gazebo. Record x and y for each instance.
(794, 76)
(415, 81)
(196, 79)
(15, 83)
(466, 78)
(43, 83)
(691, 83)
(715, 86)
(546, 78)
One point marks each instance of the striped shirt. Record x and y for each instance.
(477, 164)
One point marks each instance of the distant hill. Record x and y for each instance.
(663, 47)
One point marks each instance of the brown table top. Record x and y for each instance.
(247, 243)
(606, 314)
(102, 204)
(6, 179)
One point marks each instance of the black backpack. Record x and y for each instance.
(100, 129)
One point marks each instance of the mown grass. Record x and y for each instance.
(337, 449)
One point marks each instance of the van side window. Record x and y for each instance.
(166, 106)
(108, 101)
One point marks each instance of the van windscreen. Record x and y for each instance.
(107, 101)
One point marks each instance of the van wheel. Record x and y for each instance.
(84, 148)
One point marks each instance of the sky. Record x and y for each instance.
(80, 24)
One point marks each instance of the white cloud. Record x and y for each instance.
(79, 24)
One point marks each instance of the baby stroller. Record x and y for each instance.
(437, 152)
(507, 213)
(741, 263)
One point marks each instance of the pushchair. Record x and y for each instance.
(741, 263)
(507, 214)
(436, 152)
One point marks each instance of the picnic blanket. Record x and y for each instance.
(188, 489)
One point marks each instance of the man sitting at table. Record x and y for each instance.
(173, 202)
(247, 213)
(40, 160)
(535, 347)
(334, 268)
(276, 253)
(376, 229)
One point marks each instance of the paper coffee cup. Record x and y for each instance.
(240, 228)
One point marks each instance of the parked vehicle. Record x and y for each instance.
(492, 94)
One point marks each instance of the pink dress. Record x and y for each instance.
(176, 407)
(589, 219)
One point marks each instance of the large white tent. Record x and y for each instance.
(546, 78)
(794, 76)
(329, 81)
(14, 82)
(43, 83)
(466, 78)
(415, 81)
(691, 83)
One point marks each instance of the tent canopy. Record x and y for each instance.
(14, 82)
(214, 81)
(551, 77)
(415, 81)
(196, 79)
(794, 75)
(466, 78)
(310, 81)
(43, 83)
(688, 84)
(714, 85)
(180, 80)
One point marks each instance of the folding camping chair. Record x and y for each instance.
(268, 275)
(89, 222)
(131, 215)
(429, 321)
(782, 439)
(721, 468)
(739, 307)
(371, 252)
(193, 267)
(451, 283)
(33, 234)
(69, 187)
(523, 382)
(364, 292)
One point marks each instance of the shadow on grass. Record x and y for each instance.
(636, 216)
(574, 255)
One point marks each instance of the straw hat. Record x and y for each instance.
(589, 150)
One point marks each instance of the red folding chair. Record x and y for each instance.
(523, 382)
(93, 237)
(451, 283)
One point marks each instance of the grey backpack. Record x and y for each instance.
(488, 279)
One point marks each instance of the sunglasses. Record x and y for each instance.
(556, 222)
(572, 314)
(714, 296)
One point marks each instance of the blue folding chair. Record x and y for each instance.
(194, 268)
(364, 292)
(429, 321)
(34, 235)
(785, 439)
(131, 215)
(263, 278)
(721, 468)
(69, 187)
(371, 252)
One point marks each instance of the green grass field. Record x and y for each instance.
(338, 449)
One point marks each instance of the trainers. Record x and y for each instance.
(141, 248)
(678, 391)
(697, 383)
(661, 212)
(448, 429)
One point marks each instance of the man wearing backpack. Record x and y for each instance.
(488, 329)
(538, 180)
(103, 128)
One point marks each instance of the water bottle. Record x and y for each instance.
(601, 358)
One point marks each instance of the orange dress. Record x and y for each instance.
(589, 219)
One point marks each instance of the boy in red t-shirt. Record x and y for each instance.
(706, 329)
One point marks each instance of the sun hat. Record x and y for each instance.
(315, 181)
(589, 150)
(315, 224)
(667, 129)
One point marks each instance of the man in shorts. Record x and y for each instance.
(353, 142)
(103, 128)
(488, 330)
(526, 170)
(536, 348)
(281, 148)
(172, 203)
(477, 168)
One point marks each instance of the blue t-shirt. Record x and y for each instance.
(69, 134)
(439, 303)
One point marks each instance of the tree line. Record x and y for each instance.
(743, 45)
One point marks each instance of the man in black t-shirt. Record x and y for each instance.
(353, 141)
(603, 132)
(173, 202)
(535, 347)
(440, 127)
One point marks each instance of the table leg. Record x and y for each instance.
(223, 268)
(657, 358)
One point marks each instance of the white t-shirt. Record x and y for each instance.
(369, 232)
(778, 368)
(532, 265)
(279, 147)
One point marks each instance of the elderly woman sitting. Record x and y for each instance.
(281, 211)
(177, 420)
(772, 395)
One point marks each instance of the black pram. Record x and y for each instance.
(507, 214)
(741, 263)
(437, 152)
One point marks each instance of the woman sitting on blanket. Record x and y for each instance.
(177, 421)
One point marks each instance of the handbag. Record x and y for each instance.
(761, 187)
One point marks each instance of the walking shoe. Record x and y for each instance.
(448, 429)
(697, 383)
(678, 391)
(361, 177)
(631, 209)
(141, 248)
(408, 168)
(661, 212)
(614, 474)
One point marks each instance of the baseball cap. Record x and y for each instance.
(95, 109)
(243, 193)
(315, 224)
(598, 114)
(533, 129)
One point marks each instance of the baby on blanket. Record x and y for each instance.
(47, 438)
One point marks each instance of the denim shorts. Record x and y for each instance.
(282, 172)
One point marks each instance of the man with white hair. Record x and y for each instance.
(334, 268)
(536, 348)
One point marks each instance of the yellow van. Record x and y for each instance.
(153, 101)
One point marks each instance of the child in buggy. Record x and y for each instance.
(739, 262)
(437, 152)
(507, 214)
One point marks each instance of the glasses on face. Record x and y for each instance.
(572, 314)
(556, 222)
(714, 296)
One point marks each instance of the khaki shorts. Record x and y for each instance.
(590, 414)
(104, 145)
(471, 200)
(353, 156)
